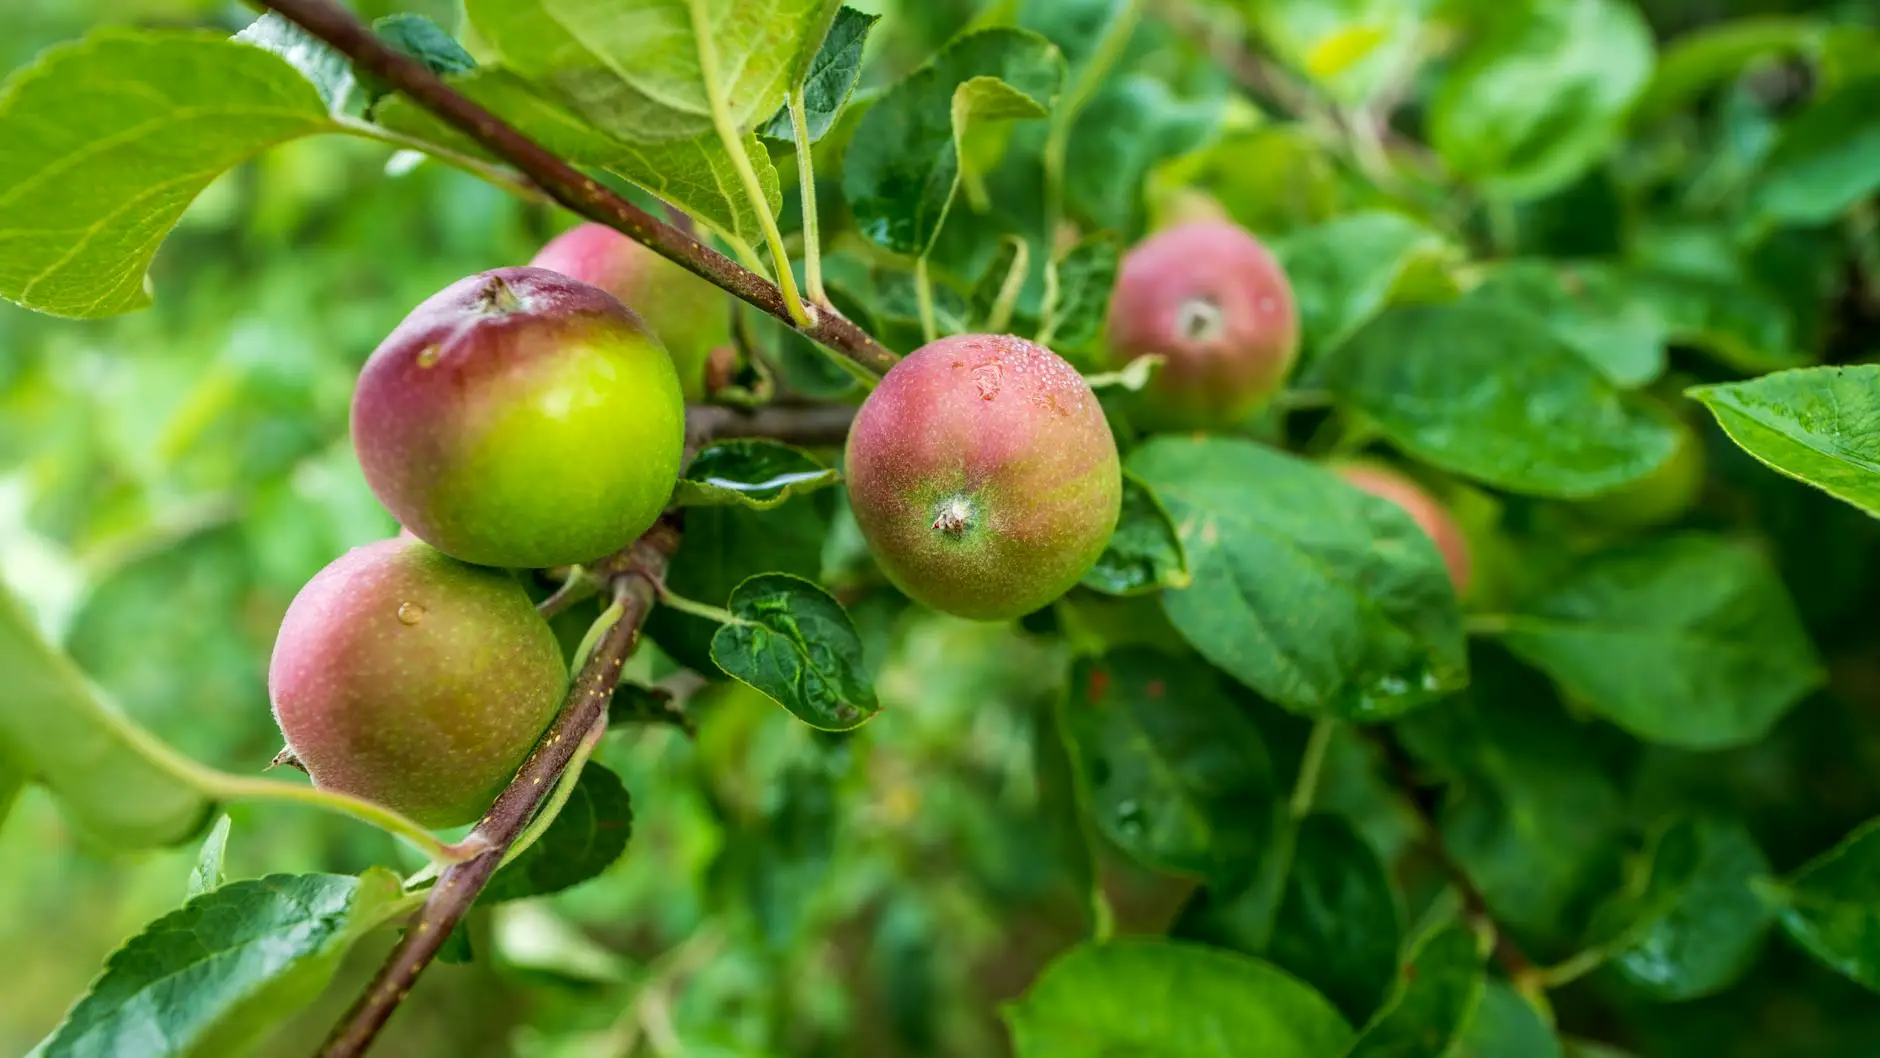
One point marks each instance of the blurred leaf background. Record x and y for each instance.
(169, 479)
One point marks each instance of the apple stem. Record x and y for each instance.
(570, 187)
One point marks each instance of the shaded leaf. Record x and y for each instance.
(423, 40)
(1537, 101)
(142, 122)
(1827, 159)
(1145, 552)
(831, 77)
(1696, 923)
(1085, 274)
(1179, 778)
(1698, 61)
(724, 546)
(115, 782)
(1819, 425)
(1592, 307)
(214, 976)
(1492, 394)
(1323, 598)
(794, 642)
(1337, 927)
(1507, 1026)
(585, 839)
(1831, 907)
(903, 168)
(1433, 1000)
(1689, 641)
(1157, 999)
(1342, 272)
(207, 874)
(1735, 321)
(751, 472)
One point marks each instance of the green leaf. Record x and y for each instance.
(1532, 813)
(1352, 48)
(1157, 999)
(831, 77)
(1337, 927)
(1538, 101)
(1695, 924)
(724, 546)
(1086, 274)
(751, 472)
(1344, 270)
(903, 168)
(1831, 906)
(1432, 1001)
(216, 975)
(1827, 160)
(1132, 123)
(1819, 425)
(1323, 598)
(1179, 778)
(1703, 58)
(1145, 552)
(697, 175)
(633, 68)
(1507, 1026)
(585, 839)
(1491, 394)
(1734, 320)
(141, 122)
(425, 41)
(1690, 641)
(795, 643)
(115, 782)
(207, 874)
(330, 72)
(1592, 307)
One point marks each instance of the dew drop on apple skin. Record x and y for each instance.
(410, 613)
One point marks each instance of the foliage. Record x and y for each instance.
(1261, 784)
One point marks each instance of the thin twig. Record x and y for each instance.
(640, 570)
(812, 426)
(566, 184)
(1520, 968)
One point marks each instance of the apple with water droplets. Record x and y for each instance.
(984, 476)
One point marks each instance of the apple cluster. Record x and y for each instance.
(525, 418)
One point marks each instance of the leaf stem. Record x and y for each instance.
(1000, 317)
(923, 298)
(568, 185)
(806, 180)
(1306, 787)
(503, 177)
(1057, 143)
(226, 787)
(1570, 969)
(1487, 624)
(699, 609)
(729, 134)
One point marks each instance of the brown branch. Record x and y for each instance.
(564, 183)
(634, 575)
(809, 425)
(1519, 967)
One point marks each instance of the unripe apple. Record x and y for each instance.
(1432, 517)
(984, 476)
(1212, 300)
(520, 418)
(1658, 498)
(406, 677)
(689, 316)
